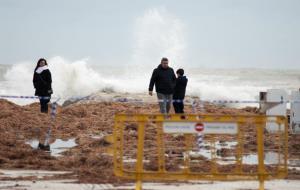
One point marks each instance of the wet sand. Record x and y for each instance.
(69, 184)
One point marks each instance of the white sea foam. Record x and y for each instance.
(79, 78)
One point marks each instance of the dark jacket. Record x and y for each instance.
(42, 83)
(164, 80)
(179, 90)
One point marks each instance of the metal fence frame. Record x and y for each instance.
(139, 174)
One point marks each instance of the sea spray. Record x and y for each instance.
(80, 78)
(158, 34)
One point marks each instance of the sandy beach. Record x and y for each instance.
(105, 65)
(80, 129)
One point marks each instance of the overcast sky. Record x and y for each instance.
(211, 33)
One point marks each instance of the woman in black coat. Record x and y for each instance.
(42, 83)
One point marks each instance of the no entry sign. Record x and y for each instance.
(197, 127)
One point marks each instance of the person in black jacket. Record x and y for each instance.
(179, 91)
(42, 83)
(163, 77)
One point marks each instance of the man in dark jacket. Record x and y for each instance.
(163, 77)
(179, 91)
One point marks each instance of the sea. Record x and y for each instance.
(81, 78)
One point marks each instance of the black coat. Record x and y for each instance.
(42, 83)
(163, 79)
(179, 90)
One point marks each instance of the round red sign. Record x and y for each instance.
(199, 127)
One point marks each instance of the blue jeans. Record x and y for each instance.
(165, 101)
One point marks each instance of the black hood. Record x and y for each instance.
(180, 87)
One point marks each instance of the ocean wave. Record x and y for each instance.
(79, 78)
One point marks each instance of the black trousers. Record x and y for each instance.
(44, 105)
(178, 107)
